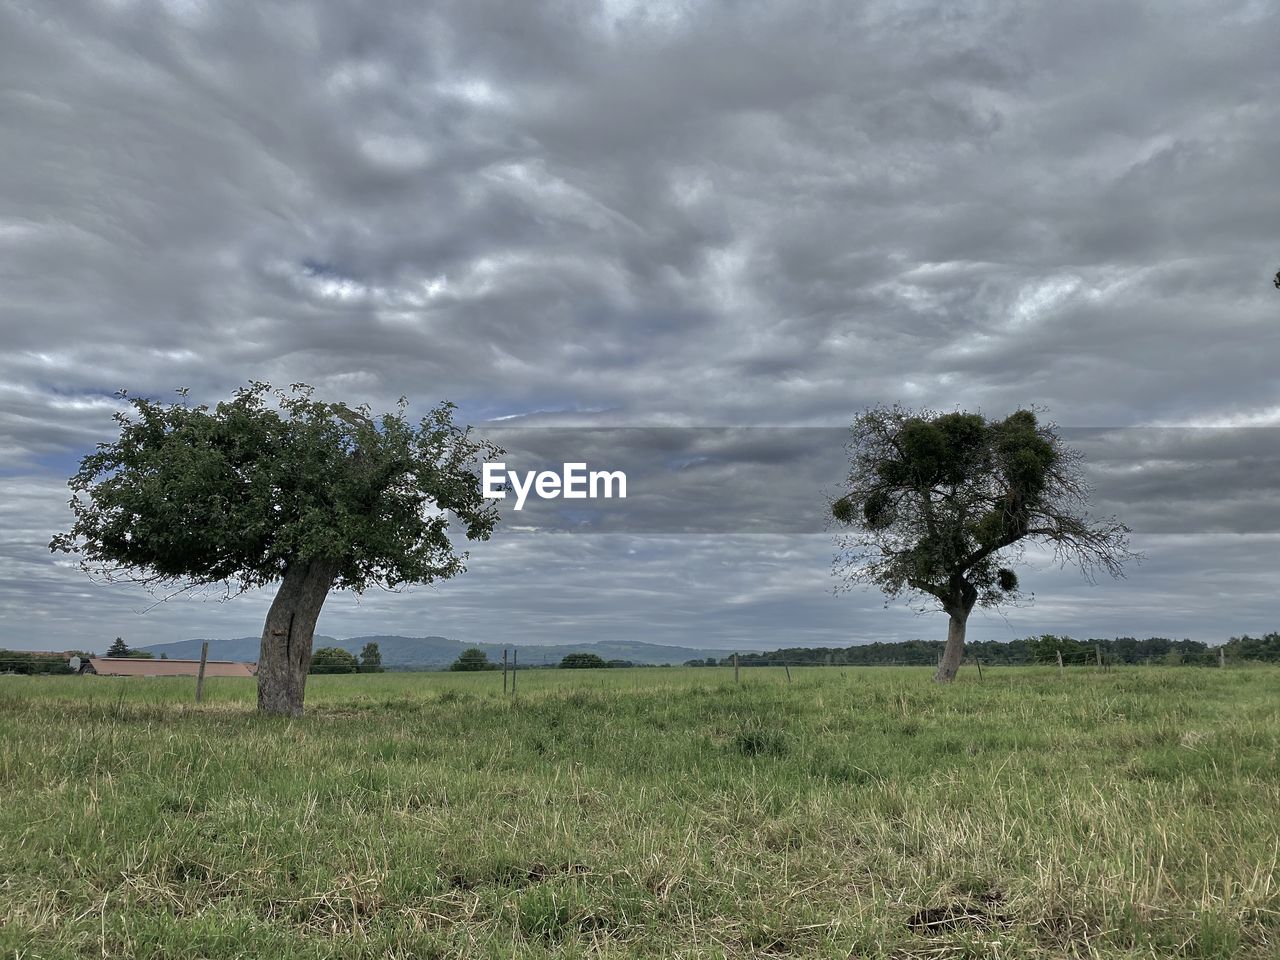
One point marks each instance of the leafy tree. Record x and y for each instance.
(1265, 648)
(473, 658)
(118, 648)
(32, 662)
(581, 661)
(371, 658)
(275, 485)
(941, 506)
(333, 660)
(1046, 647)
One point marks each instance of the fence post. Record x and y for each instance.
(1097, 649)
(204, 658)
(1060, 667)
(735, 667)
(978, 661)
(787, 668)
(1222, 656)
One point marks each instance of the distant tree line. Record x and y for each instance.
(119, 648)
(1041, 649)
(337, 660)
(30, 662)
(472, 659)
(588, 661)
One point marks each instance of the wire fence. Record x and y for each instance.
(1088, 659)
(745, 663)
(39, 663)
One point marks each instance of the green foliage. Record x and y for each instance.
(119, 648)
(936, 502)
(1264, 649)
(238, 492)
(472, 658)
(371, 658)
(877, 510)
(333, 660)
(757, 739)
(1007, 580)
(545, 913)
(582, 661)
(30, 663)
(844, 509)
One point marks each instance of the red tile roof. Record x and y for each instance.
(142, 667)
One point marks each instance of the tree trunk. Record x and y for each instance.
(285, 655)
(953, 653)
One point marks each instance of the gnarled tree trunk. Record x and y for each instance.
(285, 655)
(953, 652)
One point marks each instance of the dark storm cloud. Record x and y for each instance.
(630, 214)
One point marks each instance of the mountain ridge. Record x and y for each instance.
(438, 652)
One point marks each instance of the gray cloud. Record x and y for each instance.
(651, 215)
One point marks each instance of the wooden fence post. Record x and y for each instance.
(735, 668)
(1222, 656)
(978, 661)
(204, 658)
(787, 667)
(504, 669)
(1060, 667)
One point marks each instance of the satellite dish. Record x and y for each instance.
(74, 664)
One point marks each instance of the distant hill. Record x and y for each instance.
(438, 652)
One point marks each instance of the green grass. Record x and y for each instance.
(647, 813)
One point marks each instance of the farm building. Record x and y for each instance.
(141, 667)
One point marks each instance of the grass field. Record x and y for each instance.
(647, 813)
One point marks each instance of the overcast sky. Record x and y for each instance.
(680, 215)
